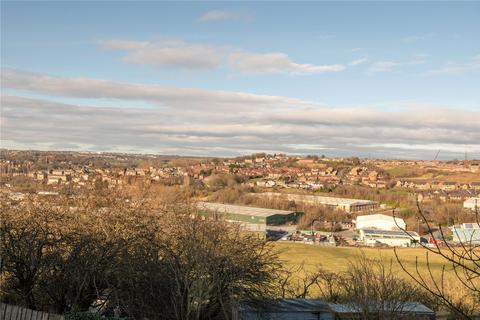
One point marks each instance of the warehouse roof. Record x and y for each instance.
(390, 233)
(250, 211)
(380, 217)
(321, 199)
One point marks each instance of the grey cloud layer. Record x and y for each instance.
(173, 96)
(180, 54)
(193, 121)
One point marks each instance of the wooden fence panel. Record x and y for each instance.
(3, 310)
(11, 312)
(20, 313)
(15, 313)
(7, 312)
(28, 314)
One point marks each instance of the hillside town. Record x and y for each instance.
(265, 171)
(334, 184)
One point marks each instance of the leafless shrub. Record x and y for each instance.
(373, 289)
(153, 259)
(464, 262)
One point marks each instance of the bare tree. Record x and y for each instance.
(296, 282)
(156, 261)
(464, 261)
(372, 289)
(27, 247)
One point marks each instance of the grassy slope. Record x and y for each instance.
(413, 173)
(337, 259)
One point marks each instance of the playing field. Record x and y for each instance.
(337, 258)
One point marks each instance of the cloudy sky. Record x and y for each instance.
(379, 79)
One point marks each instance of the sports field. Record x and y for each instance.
(336, 259)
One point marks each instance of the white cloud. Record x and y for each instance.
(173, 53)
(417, 37)
(412, 38)
(358, 62)
(181, 54)
(416, 62)
(383, 66)
(274, 63)
(124, 44)
(357, 49)
(193, 121)
(326, 36)
(220, 15)
(457, 69)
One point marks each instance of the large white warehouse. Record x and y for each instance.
(348, 205)
(472, 204)
(391, 238)
(380, 222)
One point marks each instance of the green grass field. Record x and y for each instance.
(336, 259)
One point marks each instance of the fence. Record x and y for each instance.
(10, 312)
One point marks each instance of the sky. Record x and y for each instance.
(369, 79)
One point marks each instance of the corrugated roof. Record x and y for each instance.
(398, 233)
(400, 307)
(294, 305)
(321, 199)
(251, 211)
(317, 305)
(379, 216)
(311, 305)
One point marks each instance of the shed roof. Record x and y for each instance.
(407, 307)
(250, 211)
(294, 305)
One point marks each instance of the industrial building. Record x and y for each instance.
(393, 238)
(252, 218)
(472, 204)
(345, 204)
(380, 222)
(466, 233)
(377, 229)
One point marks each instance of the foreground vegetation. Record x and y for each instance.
(147, 254)
(437, 270)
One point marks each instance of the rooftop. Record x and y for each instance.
(471, 225)
(400, 307)
(379, 216)
(322, 199)
(294, 305)
(392, 233)
(251, 211)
